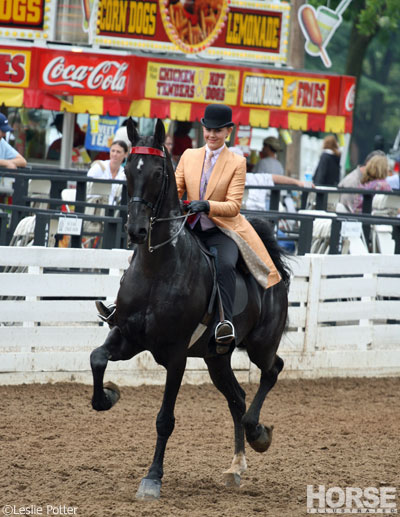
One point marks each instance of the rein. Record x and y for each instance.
(156, 208)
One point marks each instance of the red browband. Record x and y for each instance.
(148, 150)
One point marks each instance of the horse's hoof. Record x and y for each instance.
(264, 439)
(232, 479)
(149, 489)
(112, 392)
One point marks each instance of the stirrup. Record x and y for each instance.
(105, 313)
(224, 332)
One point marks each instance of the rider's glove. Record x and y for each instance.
(199, 206)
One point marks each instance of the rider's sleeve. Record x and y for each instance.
(226, 200)
(180, 177)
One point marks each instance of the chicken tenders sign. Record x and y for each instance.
(191, 83)
(251, 31)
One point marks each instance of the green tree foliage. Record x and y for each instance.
(366, 46)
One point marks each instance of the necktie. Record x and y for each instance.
(206, 174)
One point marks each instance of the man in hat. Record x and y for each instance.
(9, 157)
(214, 180)
(269, 162)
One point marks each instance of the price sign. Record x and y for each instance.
(69, 225)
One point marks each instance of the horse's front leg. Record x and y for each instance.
(150, 486)
(115, 348)
(225, 381)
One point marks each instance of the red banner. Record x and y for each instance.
(155, 87)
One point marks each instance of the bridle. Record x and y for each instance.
(155, 208)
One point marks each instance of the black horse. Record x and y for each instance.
(163, 297)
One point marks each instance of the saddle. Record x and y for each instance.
(241, 292)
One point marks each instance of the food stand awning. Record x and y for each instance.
(57, 78)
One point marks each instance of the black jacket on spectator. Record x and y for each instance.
(327, 172)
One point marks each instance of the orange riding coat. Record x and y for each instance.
(224, 193)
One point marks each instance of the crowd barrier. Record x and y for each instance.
(302, 225)
(343, 318)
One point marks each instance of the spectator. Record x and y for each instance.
(112, 168)
(327, 172)
(256, 198)
(353, 180)
(374, 178)
(394, 181)
(182, 140)
(269, 162)
(122, 133)
(9, 157)
(169, 144)
(54, 150)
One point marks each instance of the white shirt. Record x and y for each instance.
(96, 171)
(256, 198)
(394, 181)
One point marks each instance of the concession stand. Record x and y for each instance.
(165, 59)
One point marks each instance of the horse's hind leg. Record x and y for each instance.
(225, 381)
(259, 436)
(105, 396)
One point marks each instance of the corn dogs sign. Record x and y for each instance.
(211, 28)
(26, 18)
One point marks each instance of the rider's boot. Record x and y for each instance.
(224, 335)
(106, 312)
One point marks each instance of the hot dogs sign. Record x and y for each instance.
(318, 26)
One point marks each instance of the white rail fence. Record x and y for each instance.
(344, 318)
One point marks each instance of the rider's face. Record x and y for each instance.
(215, 138)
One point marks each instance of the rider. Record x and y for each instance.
(214, 180)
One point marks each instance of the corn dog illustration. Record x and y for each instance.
(312, 31)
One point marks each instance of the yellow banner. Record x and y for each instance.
(176, 82)
(285, 92)
(15, 66)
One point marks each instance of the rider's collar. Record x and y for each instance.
(147, 150)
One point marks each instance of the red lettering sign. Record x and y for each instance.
(84, 73)
(12, 68)
(310, 94)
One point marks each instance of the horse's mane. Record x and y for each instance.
(265, 231)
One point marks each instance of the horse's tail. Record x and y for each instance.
(265, 231)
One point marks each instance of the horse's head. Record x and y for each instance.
(147, 180)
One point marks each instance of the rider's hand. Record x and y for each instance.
(199, 206)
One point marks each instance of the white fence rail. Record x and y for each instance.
(344, 318)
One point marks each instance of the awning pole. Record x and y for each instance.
(67, 140)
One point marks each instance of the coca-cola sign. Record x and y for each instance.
(84, 73)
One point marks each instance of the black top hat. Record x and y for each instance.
(217, 116)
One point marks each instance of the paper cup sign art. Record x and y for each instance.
(318, 26)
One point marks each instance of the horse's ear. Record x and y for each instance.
(133, 135)
(159, 134)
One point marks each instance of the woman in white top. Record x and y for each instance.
(112, 168)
